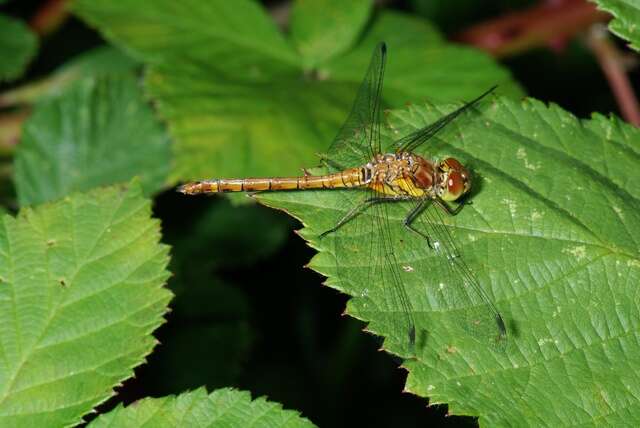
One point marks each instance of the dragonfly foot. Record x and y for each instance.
(407, 224)
(326, 232)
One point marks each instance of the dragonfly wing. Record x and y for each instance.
(359, 138)
(412, 141)
(366, 259)
(453, 291)
(364, 251)
(387, 269)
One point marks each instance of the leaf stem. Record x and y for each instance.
(50, 16)
(32, 91)
(613, 64)
(550, 23)
(11, 130)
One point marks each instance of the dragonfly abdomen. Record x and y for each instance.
(348, 178)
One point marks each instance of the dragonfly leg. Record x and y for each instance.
(446, 208)
(415, 213)
(357, 210)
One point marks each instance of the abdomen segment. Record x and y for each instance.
(347, 178)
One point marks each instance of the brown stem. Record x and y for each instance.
(50, 16)
(25, 94)
(550, 23)
(11, 130)
(612, 62)
(34, 90)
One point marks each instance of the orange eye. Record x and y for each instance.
(453, 164)
(455, 185)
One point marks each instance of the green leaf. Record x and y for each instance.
(98, 132)
(17, 46)
(80, 293)
(237, 38)
(322, 29)
(100, 61)
(421, 65)
(553, 237)
(626, 18)
(240, 112)
(228, 128)
(222, 408)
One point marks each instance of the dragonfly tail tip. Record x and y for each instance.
(412, 336)
(186, 189)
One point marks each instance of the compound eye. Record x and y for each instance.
(455, 186)
(452, 164)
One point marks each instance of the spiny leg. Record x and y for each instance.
(414, 213)
(424, 203)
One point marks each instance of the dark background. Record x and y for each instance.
(248, 314)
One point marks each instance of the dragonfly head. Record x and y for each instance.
(454, 180)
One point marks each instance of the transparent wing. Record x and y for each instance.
(387, 268)
(454, 291)
(412, 141)
(364, 249)
(366, 258)
(359, 138)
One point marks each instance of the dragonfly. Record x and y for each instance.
(370, 178)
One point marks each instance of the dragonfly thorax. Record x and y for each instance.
(400, 174)
(411, 175)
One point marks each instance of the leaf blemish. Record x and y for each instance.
(633, 263)
(522, 155)
(511, 205)
(545, 340)
(579, 252)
